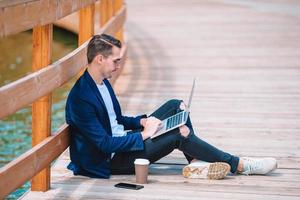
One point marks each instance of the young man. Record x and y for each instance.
(99, 144)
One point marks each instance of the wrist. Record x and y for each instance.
(143, 121)
(144, 135)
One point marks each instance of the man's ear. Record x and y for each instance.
(99, 58)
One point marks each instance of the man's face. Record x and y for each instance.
(111, 63)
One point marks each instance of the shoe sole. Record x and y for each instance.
(215, 171)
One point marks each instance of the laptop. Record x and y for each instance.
(176, 120)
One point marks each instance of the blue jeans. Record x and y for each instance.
(157, 148)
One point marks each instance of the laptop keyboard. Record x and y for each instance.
(175, 120)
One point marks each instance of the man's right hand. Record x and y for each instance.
(151, 126)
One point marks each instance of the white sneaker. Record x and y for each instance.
(200, 169)
(258, 165)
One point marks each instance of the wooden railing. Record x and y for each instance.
(37, 87)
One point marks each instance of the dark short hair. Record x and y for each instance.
(101, 44)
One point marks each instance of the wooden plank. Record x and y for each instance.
(22, 92)
(33, 161)
(8, 3)
(167, 178)
(35, 13)
(200, 195)
(169, 187)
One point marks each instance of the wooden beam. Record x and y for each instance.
(35, 13)
(17, 172)
(24, 91)
(41, 108)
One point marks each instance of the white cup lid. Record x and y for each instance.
(141, 161)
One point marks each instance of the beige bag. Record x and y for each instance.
(205, 170)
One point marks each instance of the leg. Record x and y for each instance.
(168, 109)
(201, 150)
(122, 163)
(245, 165)
(192, 146)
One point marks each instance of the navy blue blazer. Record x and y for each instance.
(91, 141)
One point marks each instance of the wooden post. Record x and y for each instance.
(41, 109)
(86, 23)
(86, 26)
(110, 9)
(103, 12)
(117, 5)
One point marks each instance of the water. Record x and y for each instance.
(15, 62)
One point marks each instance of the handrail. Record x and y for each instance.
(35, 13)
(30, 163)
(56, 144)
(34, 87)
(22, 92)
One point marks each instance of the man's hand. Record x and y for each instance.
(151, 126)
(143, 122)
(182, 106)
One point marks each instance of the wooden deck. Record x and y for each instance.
(245, 56)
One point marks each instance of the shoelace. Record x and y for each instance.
(251, 165)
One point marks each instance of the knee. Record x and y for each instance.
(184, 131)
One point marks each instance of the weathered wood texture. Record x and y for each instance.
(245, 56)
(35, 13)
(24, 91)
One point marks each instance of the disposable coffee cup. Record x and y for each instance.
(141, 170)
